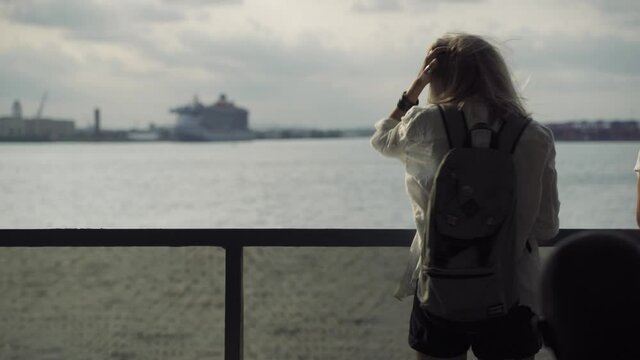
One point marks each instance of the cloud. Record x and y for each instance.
(619, 17)
(268, 55)
(91, 19)
(27, 73)
(373, 6)
(376, 5)
(589, 54)
(203, 2)
(155, 13)
(78, 15)
(328, 66)
(617, 6)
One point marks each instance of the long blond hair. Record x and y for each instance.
(472, 67)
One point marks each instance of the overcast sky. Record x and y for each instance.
(311, 63)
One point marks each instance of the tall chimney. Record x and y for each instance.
(96, 126)
(16, 110)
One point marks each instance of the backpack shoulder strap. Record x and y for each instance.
(455, 125)
(512, 129)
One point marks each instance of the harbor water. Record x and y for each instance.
(168, 303)
(337, 183)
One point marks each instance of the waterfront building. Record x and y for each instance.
(16, 127)
(35, 129)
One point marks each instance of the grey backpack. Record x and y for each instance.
(471, 269)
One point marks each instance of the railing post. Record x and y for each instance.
(233, 304)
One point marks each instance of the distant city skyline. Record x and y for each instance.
(313, 64)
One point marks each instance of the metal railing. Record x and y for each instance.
(233, 241)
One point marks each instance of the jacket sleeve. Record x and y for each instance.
(392, 137)
(547, 222)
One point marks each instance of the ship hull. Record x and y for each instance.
(189, 128)
(208, 136)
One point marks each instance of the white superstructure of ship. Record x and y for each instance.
(221, 121)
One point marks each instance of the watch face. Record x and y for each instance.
(402, 104)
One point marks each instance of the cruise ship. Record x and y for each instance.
(221, 121)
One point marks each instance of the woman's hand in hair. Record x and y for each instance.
(423, 79)
(430, 64)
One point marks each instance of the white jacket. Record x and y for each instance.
(420, 142)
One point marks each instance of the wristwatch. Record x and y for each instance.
(404, 103)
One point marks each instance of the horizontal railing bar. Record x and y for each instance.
(227, 237)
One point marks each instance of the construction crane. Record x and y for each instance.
(41, 107)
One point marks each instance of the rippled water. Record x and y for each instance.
(294, 183)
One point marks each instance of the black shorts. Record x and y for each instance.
(512, 336)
